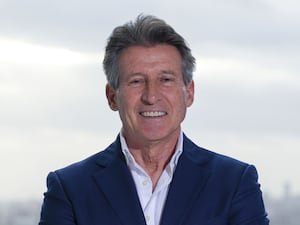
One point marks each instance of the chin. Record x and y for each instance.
(155, 135)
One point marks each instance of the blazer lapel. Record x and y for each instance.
(115, 180)
(188, 180)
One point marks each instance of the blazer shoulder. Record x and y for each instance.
(91, 164)
(225, 172)
(215, 160)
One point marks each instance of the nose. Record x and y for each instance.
(150, 93)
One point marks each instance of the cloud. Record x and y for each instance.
(244, 109)
(85, 27)
(53, 106)
(20, 52)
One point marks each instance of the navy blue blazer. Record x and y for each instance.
(207, 189)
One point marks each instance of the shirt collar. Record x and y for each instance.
(170, 168)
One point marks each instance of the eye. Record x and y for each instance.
(136, 82)
(167, 79)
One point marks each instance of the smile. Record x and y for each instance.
(153, 114)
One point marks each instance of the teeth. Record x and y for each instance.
(153, 114)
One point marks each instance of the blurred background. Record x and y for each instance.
(53, 110)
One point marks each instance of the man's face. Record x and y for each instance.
(151, 98)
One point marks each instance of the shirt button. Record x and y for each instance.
(147, 218)
(145, 182)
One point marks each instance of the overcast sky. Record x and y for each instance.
(52, 106)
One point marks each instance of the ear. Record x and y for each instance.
(190, 93)
(111, 97)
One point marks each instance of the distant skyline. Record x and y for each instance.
(53, 107)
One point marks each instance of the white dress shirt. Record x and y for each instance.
(152, 202)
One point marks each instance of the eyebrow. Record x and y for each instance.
(171, 72)
(168, 72)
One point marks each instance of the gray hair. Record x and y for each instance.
(144, 31)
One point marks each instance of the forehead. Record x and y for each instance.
(160, 56)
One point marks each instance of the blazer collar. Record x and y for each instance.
(188, 181)
(115, 181)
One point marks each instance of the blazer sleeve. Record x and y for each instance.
(247, 205)
(56, 208)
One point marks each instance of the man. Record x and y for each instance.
(152, 174)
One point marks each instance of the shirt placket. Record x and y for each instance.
(146, 187)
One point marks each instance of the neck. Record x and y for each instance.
(154, 157)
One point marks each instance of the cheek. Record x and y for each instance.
(126, 104)
(178, 101)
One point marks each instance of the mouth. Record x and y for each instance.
(153, 114)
